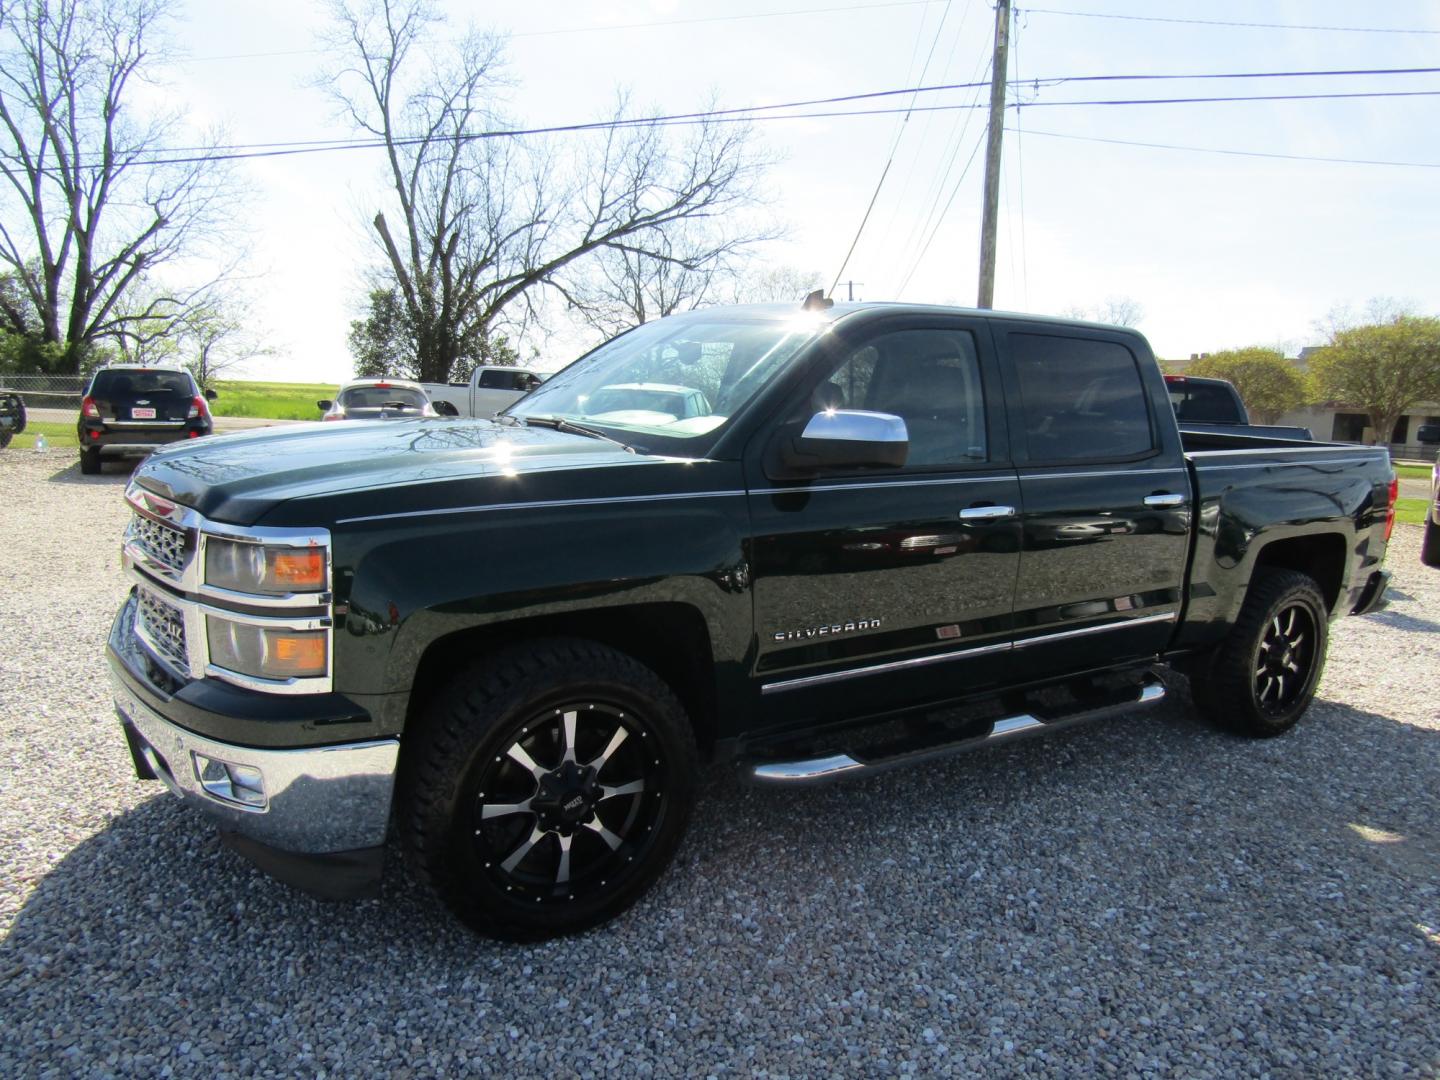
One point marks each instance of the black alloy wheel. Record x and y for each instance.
(1286, 654)
(1261, 678)
(571, 804)
(547, 788)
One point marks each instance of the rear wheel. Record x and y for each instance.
(5, 436)
(90, 460)
(1262, 677)
(548, 789)
(1430, 544)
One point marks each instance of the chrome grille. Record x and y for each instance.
(162, 627)
(162, 543)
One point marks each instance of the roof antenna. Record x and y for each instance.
(817, 301)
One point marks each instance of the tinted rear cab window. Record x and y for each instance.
(112, 384)
(1204, 403)
(1083, 400)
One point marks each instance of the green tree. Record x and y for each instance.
(1384, 369)
(387, 343)
(1269, 384)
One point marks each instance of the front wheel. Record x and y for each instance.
(1430, 543)
(548, 789)
(1262, 677)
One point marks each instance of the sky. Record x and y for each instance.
(1217, 250)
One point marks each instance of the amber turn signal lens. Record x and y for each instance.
(303, 569)
(295, 654)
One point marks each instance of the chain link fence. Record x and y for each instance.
(47, 391)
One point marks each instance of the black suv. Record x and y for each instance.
(131, 408)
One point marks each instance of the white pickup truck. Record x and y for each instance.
(489, 390)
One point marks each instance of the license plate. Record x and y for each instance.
(142, 414)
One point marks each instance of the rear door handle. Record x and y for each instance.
(987, 513)
(1164, 500)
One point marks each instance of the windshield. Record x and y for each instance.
(677, 378)
(375, 397)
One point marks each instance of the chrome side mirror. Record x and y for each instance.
(846, 439)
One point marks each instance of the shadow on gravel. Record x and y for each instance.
(1145, 860)
(1400, 621)
(113, 473)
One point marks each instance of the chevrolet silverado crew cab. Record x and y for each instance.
(864, 536)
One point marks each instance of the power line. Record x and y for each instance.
(899, 134)
(1234, 153)
(1231, 23)
(745, 113)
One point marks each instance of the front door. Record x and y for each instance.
(885, 589)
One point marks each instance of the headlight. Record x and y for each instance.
(265, 652)
(264, 568)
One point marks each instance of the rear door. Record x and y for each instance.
(884, 589)
(1106, 497)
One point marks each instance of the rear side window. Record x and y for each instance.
(122, 383)
(1083, 400)
(507, 380)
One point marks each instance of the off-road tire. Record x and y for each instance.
(1430, 542)
(1229, 684)
(469, 732)
(90, 461)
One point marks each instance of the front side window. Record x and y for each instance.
(676, 378)
(1083, 400)
(928, 378)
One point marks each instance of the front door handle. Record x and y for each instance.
(1164, 501)
(987, 513)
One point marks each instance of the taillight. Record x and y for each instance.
(1390, 512)
(89, 408)
(197, 408)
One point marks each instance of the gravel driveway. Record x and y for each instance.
(1144, 897)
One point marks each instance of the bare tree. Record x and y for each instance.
(220, 336)
(90, 211)
(1116, 310)
(475, 228)
(774, 284)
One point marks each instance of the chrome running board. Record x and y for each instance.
(824, 768)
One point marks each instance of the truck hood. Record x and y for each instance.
(240, 477)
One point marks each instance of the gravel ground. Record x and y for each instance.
(1144, 897)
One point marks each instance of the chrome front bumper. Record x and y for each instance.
(309, 801)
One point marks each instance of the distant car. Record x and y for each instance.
(1214, 405)
(646, 403)
(131, 409)
(491, 388)
(1429, 435)
(12, 416)
(379, 399)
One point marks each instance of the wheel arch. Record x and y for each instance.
(672, 639)
(1322, 557)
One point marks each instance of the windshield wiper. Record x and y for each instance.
(559, 423)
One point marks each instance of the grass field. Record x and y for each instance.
(1413, 472)
(1411, 511)
(57, 433)
(271, 400)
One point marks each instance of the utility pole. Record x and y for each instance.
(999, 70)
(851, 288)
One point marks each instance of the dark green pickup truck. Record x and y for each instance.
(874, 534)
